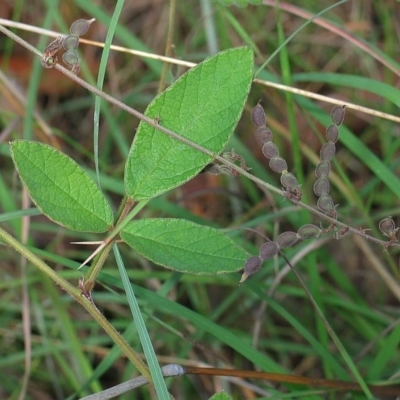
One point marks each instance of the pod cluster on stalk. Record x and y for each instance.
(70, 43)
(292, 190)
(291, 186)
(271, 248)
(328, 150)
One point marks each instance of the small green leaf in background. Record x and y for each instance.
(221, 396)
(60, 188)
(184, 246)
(204, 105)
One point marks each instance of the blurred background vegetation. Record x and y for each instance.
(267, 323)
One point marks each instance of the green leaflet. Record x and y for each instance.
(60, 188)
(184, 246)
(204, 105)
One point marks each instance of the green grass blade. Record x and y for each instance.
(123, 34)
(155, 370)
(79, 363)
(385, 355)
(36, 74)
(100, 81)
(382, 89)
(285, 65)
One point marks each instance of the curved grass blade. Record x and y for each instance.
(151, 358)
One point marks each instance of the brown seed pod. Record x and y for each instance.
(71, 42)
(268, 250)
(309, 231)
(251, 266)
(258, 116)
(325, 203)
(337, 115)
(323, 168)
(270, 150)
(278, 164)
(388, 227)
(328, 151)
(70, 58)
(332, 133)
(264, 134)
(80, 26)
(321, 187)
(287, 239)
(289, 181)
